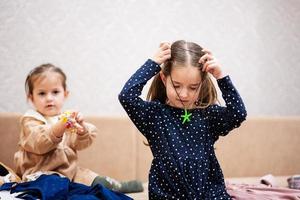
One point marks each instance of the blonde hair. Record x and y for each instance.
(35, 73)
(183, 53)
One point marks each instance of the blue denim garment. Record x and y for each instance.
(54, 187)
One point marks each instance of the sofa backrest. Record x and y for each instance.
(9, 137)
(260, 146)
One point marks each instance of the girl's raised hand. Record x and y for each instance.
(163, 53)
(211, 65)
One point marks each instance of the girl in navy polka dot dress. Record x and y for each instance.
(182, 121)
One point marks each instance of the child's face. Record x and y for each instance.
(186, 81)
(48, 94)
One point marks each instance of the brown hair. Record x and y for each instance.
(38, 71)
(183, 53)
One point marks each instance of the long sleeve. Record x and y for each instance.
(129, 97)
(223, 119)
(40, 150)
(36, 137)
(79, 142)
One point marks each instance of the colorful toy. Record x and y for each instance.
(67, 117)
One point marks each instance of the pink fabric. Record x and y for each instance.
(261, 192)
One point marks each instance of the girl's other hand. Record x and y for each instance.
(79, 122)
(211, 65)
(163, 53)
(78, 117)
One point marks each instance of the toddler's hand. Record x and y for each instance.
(211, 65)
(73, 121)
(163, 53)
(79, 124)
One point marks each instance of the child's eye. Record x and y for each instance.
(41, 93)
(193, 88)
(56, 92)
(176, 86)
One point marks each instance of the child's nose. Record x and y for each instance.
(49, 97)
(184, 93)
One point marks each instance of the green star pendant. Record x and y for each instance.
(186, 116)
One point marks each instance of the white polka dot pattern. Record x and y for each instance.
(184, 164)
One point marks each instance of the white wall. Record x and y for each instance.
(100, 43)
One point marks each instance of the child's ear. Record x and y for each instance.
(30, 98)
(163, 77)
(66, 93)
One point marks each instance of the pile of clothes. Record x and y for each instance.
(53, 187)
(266, 190)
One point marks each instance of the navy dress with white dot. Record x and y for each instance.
(184, 164)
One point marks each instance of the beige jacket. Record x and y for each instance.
(39, 150)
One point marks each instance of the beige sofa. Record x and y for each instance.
(262, 145)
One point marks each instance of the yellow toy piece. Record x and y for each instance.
(69, 121)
